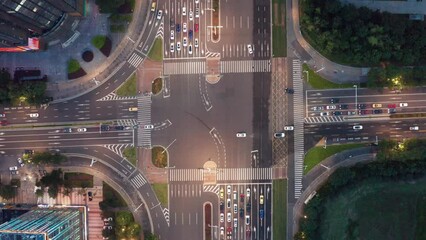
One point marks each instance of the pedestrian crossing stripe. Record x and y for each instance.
(135, 60)
(114, 97)
(324, 119)
(138, 181)
(144, 118)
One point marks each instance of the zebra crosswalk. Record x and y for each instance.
(245, 66)
(135, 60)
(138, 181)
(223, 174)
(325, 119)
(298, 121)
(144, 118)
(183, 175)
(113, 96)
(127, 122)
(212, 54)
(211, 188)
(179, 68)
(117, 148)
(244, 174)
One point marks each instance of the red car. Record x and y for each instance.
(3, 123)
(392, 105)
(196, 27)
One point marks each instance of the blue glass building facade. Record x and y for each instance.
(45, 224)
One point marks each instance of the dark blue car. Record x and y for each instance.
(261, 214)
(190, 34)
(178, 27)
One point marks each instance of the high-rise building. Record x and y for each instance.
(21, 20)
(46, 224)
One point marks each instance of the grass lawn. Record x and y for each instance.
(316, 154)
(376, 210)
(79, 179)
(156, 51)
(159, 157)
(318, 82)
(160, 190)
(73, 65)
(98, 41)
(279, 189)
(130, 154)
(279, 37)
(128, 88)
(157, 85)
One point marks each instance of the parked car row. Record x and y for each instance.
(359, 106)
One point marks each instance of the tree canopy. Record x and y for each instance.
(360, 36)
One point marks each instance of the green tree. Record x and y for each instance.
(109, 6)
(133, 230)
(7, 192)
(150, 236)
(53, 190)
(39, 193)
(123, 218)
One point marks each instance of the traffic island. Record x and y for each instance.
(207, 221)
(159, 157)
(213, 70)
(157, 86)
(215, 31)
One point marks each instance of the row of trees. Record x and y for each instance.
(395, 161)
(46, 158)
(360, 36)
(13, 92)
(392, 76)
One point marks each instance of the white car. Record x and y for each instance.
(222, 231)
(414, 128)
(184, 11)
(228, 203)
(228, 190)
(197, 1)
(197, 12)
(159, 14)
(403, 104)
(247, 219)
(222, 217)
(331, 107)
(21, 162)
(323, 114)
(228, 218)
(172, 35)
(196, 42)
(248, 192)
(289, 128)
(235, 208)
(149, 126)
(34, 115)
(241, 134)
(14, 168)
(279, 135)
(184, 27)
(172, 47)
(82, 130)
(261, 199)
(250, 49)
(235, 222)
(185, 42)
(190, 49)
(191, 15)
(357, 127)
(178, 46)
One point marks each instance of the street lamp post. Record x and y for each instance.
(307, 75)
(356, 99)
